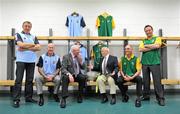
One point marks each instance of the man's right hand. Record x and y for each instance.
(21, 49)
(71, 78)
(49, 78)
(126, 78)
(90, 67)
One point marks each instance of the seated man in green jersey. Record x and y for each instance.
(130, 69)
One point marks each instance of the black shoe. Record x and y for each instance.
(63, 103)
(104, 100)
(113, 101)
(161, 102)
(125, 98)
(16, 104)
(79, 99)
(144, 98)
(138, 103)
(41, 101)
(31, 100)
(56, 98)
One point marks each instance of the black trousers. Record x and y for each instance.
(20, 68)
(124, 88)
(156, 75)
(81, 79)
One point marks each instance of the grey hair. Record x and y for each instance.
(106, 48)
(74, 47)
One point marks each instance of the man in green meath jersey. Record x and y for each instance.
(130, 70)
(151, 64)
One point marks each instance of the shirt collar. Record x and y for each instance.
(107, 56)
(130, 57)
(52, 54)
(151, 37)
(25, 33)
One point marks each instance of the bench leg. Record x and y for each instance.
(89, 91)
(51, 89)
(11, 90)
(163, 88)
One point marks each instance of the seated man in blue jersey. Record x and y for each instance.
(130, 69)
(48, 67)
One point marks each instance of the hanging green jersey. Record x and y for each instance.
(105, 25)
(96, 55)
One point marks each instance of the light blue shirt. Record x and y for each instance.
(75, 25)
(25, 56)
(49, 64)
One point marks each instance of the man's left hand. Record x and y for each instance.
(113, 73)
(50, 78)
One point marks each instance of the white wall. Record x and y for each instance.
(0, 16)
(130, 14)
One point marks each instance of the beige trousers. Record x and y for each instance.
(101, 84)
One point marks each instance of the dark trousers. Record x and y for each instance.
(155, 70)
(81, 79)
(124, 88)
(20, 68)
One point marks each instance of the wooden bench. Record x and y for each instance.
(163, 82)
(90, 83)
(11, 83)
(170, 82)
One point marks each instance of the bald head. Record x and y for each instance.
(50, 45)
(128, 46)
(128, 49)
(104, 51)
(50, 49)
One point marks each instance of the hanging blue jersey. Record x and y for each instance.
(83, 52)
(75, 23)
(26, 56)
